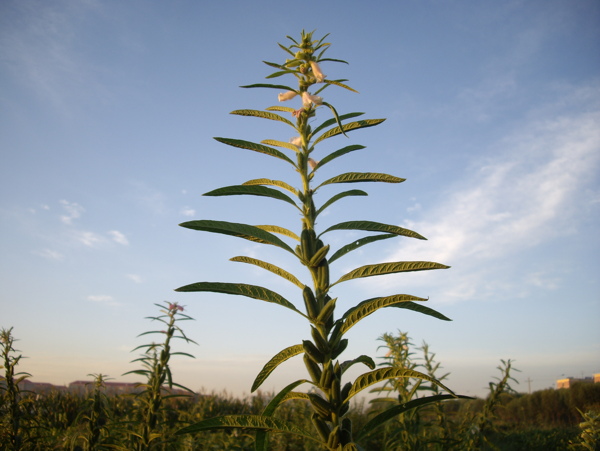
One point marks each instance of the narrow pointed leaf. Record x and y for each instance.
(392, 412)
(267, 85)
(270, 267)
(355, 177)
(277, 183)
(360, 359)
(241, 289)
(349, 127)
(338, 153)
(284, 48)
(257, 422)
(370, 226)
(280, 73)
(381, 269)
(336, 116)
(358, 243)
(365, 308)
(422, 309)
(333, 60)
(245, 231)
(263, 114)
(256, 148)
(354, 192)
(275, 65)
(251, 190)
(330, 122)
(274, 142)
(341, 85)
(285, 109)
(373, 377)
(281, 357)
(278, 229)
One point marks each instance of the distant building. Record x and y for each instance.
(569, 381)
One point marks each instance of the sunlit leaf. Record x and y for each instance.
(278, 183)
(285, 109)
(341, 85)
(245, 231)
(256, 148)
(348, 127)
(330, 122)
(355, 177)
(257, 422)
(267, 85)
(270, 267)
(274, 142)
(365, 308)
(380, 269)
(360, 359)
(422, 309)
(358, 243)
(339, 196)
(278, 229)
(263, 115)
(241, 289)
(338, 153)
(251, 190)
(373, 377)
(370, 226)
(281, 357)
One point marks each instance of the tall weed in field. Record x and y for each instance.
(329, 395)
(12, 409)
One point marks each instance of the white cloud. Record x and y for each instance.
(72, 211)
(134, 277)
(100, 298)
(118, 237)
(187, 211)
(532, 190)
(50, 254)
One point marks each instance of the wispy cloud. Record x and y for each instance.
(187, 211)
(118, 237)
(50, 254)
(533, 189)
(72, 211)
(135, 278)
(102, 299)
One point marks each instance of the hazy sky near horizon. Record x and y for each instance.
(108, 113)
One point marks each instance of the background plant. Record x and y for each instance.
(329, 397)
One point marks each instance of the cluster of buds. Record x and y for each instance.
(308, 100)
(174, 307)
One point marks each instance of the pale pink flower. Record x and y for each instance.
(297, 113)
(297, 141)
(283, 96)
(312, 163)
(319, 76)
(308, 99)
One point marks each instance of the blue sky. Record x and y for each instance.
(108, 113)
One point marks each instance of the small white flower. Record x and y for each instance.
(312, 163)
(319, 76)
(283, 96)
(297, 141)
(308, 99)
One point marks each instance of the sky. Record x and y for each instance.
(108, 112)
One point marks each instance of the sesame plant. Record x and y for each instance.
(330, 394)
(156, 370)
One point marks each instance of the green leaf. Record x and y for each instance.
(349, 127)
(281, 357)
(370, 226)
(336, 116)
(263, 114)
(285, 109)
(261, 443)
(354, 192)
(422, 309)
(360, 359)
(374, 377)
(256, 148)
(241, 289)
(355, 177)
(251, 190)
(267, 85)
(365, 308)
(341, 85)
(278, 229)
(392, 412)
(280, 73)
(380, 269)
(358, 243)
(332, 121)
(274, 142)
(278, 183)
(245, 231)
(258, 422)
(333, 60)
(338, 153)
(270, 267)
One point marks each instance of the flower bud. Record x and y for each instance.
(282, 97)
(319, 76)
